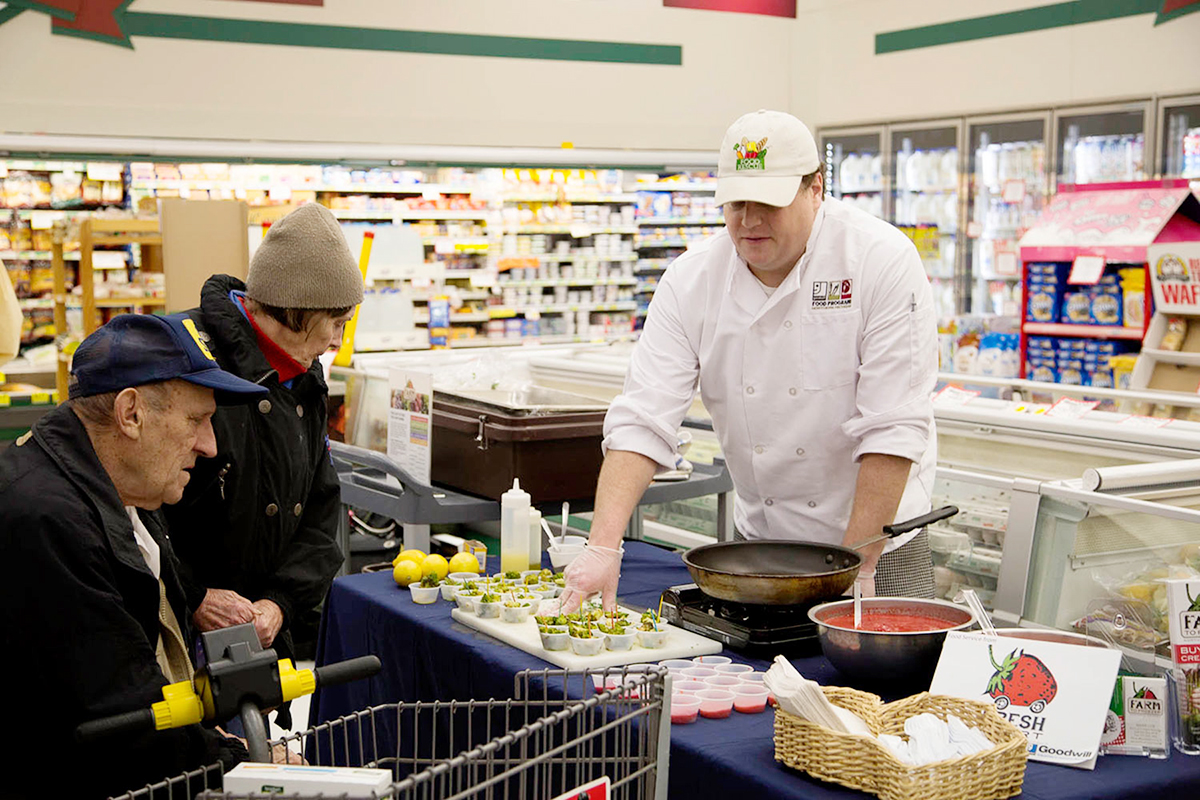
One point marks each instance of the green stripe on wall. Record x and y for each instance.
(9, 13)
(211, 29)
(1040, 18)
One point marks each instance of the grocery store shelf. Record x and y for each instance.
(1090, 331)
(645, 245)
(649, 272)
(1173, 357)
(442, 213)
(867, 190)
(130, 302)
(563, 338)
(474, 316)
(348, 213)
(579, 230)
(35, 255)
(505, 312)
(648, 222)
(669, 186)
(473, 241)
(568, 282)
(581, 198)
(571, 256)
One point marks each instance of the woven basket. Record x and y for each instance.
(864, 763)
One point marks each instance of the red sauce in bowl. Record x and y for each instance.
(878, 622)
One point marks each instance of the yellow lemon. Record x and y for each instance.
(415, 556)
(464, 562)
(406, 572)
(435, 564)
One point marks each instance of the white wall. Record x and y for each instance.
(821, 66)
(1119, 58)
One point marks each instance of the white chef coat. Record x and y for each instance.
(801, 383)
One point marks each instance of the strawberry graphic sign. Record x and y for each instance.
(1056, 694)
(1022, 680)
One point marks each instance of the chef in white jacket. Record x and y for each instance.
(808, 327)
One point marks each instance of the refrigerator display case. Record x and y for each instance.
(854, 167)
(1103, 144)
(925, 171)
(1007, 185)
(1179, 137)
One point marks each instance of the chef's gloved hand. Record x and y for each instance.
(596, 569)
(866, 582)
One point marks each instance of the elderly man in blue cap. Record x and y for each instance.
(94, 617)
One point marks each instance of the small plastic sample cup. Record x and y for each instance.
(727, 682)
(715, 703)
(749, 699)
(691, 687)
(733, 669)
(711, 661)
(698, 673)
(684, 708)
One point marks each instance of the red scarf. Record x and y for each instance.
(277, 357)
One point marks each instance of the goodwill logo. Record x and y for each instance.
(751, 155)
(832, 294)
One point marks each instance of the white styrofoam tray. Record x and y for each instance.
(524, 636)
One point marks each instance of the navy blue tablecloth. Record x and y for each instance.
(427, 656)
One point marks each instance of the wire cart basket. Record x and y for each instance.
(562, 729)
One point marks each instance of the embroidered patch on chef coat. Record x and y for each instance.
(832, 294)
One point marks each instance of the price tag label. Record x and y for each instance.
(40, 397)
(974, 229)
(444, 247)
(104, 171)
(1138, 421)
(581, 231)
(1014, 191)
(1070, 408)
(5, 401)
(430, 194)
(43, 220)
(3, 170)
(281, 193)
(1007, 264)
(954, 396)
(1086, 270)
(483, 280)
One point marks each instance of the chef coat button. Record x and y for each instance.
(749, 390)
(297, 509)
(812, 503)
(264, 406)
(300, 411)
(787, 324)
(272, 509)
(769, 501)
(799, 451)
(792, 391)
(758, 449)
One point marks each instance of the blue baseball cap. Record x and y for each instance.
(136, 349)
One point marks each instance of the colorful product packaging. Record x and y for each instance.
(1136, 724)
(1183, 625)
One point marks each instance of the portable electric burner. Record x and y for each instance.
(757, 630)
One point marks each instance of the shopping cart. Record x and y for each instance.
(561, 730)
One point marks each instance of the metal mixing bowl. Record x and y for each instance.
(871, 659)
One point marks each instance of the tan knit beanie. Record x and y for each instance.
(304, 262)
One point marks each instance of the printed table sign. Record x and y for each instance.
(954, 396)
(1070, 408)
(410, 421)
(1056, 694)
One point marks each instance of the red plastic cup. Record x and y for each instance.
(750, 699)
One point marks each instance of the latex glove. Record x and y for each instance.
(268, 619)
(596, 569)
(222, 608)
(866, 582)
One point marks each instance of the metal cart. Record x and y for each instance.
(372, 481)
(561, 730)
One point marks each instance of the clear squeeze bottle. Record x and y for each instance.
(514, 529)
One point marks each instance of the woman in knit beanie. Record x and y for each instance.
(256, 528)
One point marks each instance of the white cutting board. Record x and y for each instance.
(525, 636)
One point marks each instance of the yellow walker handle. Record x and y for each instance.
(344, 353)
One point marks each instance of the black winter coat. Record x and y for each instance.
(261, 518)
(80, 623)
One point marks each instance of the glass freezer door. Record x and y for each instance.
(1008, 185)
(854, 167)
(1101, 145)
(1179, 145)
(925, 201)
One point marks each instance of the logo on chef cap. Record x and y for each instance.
(751, 155)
